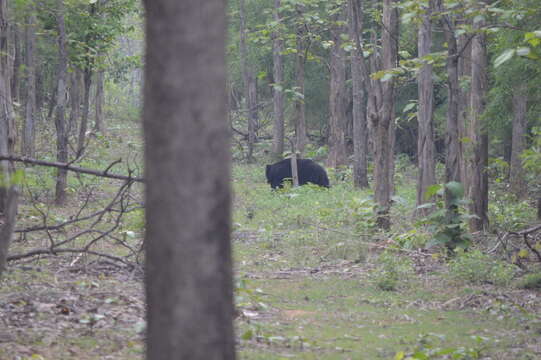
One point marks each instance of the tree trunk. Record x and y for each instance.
(300, 107)
(520, 102)
(29, 129)
(75, 101)
(8, 193)
(360, 135)
(87, 81)
(17, 62)
(249, 85)
(464, 129)
(88, 72)
(187, 172)
(60, 123)
(452, 146)
(384, 155)
(278, 74)
(99, 101)
(479, 175)
(337, 94)
(425, 142)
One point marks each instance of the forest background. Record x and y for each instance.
(433, 104)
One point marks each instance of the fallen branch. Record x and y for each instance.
(77, 169)
(36, 252)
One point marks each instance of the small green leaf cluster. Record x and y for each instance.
(478, 268)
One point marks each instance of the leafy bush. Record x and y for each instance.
(508, 214)
(447, 224)
(477, 268)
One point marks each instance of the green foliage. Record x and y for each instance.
(477, 268)
(508, 214)
(430, 347)
(448, 225)
(530, 281)
(392, 271)
(531, 158)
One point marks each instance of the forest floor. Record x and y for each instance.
(312, 282)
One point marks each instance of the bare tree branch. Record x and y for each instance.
(77, 169)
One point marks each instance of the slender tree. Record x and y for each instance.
(425, 142)
(360, 135)
(337, 94)
(60, 123)
(88, 72)
(249, 82)
(99, 101)
(8, 191)
(479, 176)
(187, 160)
(383, 141)
(278, 91)
(75, 100)
(464, 129)
(29, 128)
(302, 45)
(452, 146)
(15, 34)
(518, 142)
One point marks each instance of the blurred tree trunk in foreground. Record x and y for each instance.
(187, 172)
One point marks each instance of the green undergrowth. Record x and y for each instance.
(317, 284)
(338, 318)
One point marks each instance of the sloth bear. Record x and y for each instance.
(308, 170)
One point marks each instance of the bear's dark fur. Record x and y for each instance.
(308, 170)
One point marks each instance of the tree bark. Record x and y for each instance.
(249, 83)
(383, 142)
(452, 146)
(516, 178)
(464, 129)
(8, 193)
(83, 127)
(278, 74)
(75, 101)
(425, 142)
(337, 95)
(60, 123)
(360, 130)
(187, 169)
(29, 128)
(17, 62)
(88, 72)
(99, 102)
(300, 105)
(479, 175)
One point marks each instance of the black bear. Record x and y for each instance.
(308, 170)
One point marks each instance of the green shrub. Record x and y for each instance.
(508, 214)
(477, 268)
